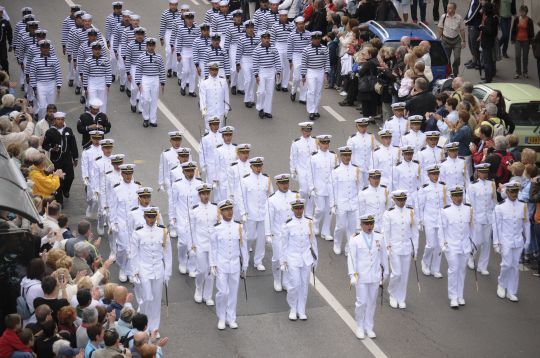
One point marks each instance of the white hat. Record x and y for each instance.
(512, 185)
(399, 194)
(345, 150)
(127, 168)
(274, 1)
(367, 218)
(363, 120)
(307, 124)
(175, 134)
(96, 133)
(225, 204)
(374, 172)
(256, 161)
(95, 102)
(59, 115)
(106, 142)
(173, 1)
(150, 210)
(224, 3)
(263, 33)
(385, 133)
(482, 166)
(203, 187)
(14, 114)
(283, 12)
(282, 177)
(433, 168)
(324, 137)
(184, 7)
(316, 34)
(134, 17)
(244, 147)
(248, 23)
(86, 17)
(237, 12)
(115, 158)
(407, 149)
(299, 19)
(299, 202)
(432, 134)
(457, 189)
(451, 145)
(415, 118)
(189, 14)
(215, 1)
(126, 12)
(398, 105)
(144, 190)
(183, 150)
(226, 130)
(191, 164)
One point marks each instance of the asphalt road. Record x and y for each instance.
(486, 326)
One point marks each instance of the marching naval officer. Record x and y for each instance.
(300, 162)
(169, 159)
(373, 199)
(362, 143)
(214, 96)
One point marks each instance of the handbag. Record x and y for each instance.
(367, 83)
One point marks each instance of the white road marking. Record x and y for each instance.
(175, 122)
(69, 2)
(335, 114)
(345, 316)
(195, 2)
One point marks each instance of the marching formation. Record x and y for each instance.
(382, 190)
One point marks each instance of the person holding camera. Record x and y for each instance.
(112, 348)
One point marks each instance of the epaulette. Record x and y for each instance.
(234, 163)
(489, 179)
(135, 208)
(410, 207)
(161, 226)
(307, 217)
(109, 172)
(313, 137)
(423, 148)
(423, 186)
(352, 135)
(288, 220)
(475, 181)
(383, 186)
(520, 200)
(138, 227)
(407, 132)
(364, 188)
(442, 183)
(416, 161)
(331, 151)
(216, 224)
(198, 178)
(271, 195)
(266, 175)
(176, 166)
(392, 208)
(294, 191)
(219, 145)
(213, 204)
(354, 165)
(166, 150)
(234, 144)
(194, 206)
(501, 202)
(378, 232)
(395, 146)
(447, 206)
(466, 204)
(313, 153)
(398, 163)
(137, 182)
(86, 146)
(246, 175)
(115, 185)
(443, 160)
(178, 180)
(439, 147)
(238, 222)
(337, 166)
(297, 139)
(461, 157)
(98, 157)
(369, 133)
(376, 149)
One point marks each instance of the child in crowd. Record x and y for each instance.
(10, 343)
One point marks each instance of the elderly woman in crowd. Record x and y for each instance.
(8, 136)
(44, 184)
(480, 151)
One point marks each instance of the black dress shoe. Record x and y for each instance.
(302, 102)
(82, 100)
(284, 89)
(182, 91)
(261, 114)
(192, 94)
(241, 92)
(66, 195)
(248, 104)
(233, 90)
(113, 78)
(345, 104)
(128, 93)
(77, 90)
(169, 73)
(145, 124)
(175, 74)
(70, 83)
(122, 88)
(293, 97)
(133, 109)
(278, 88)
(312, 116)
(317, 114)
(268, 115)
(180, 82)
(153, 125)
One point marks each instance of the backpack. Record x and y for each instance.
(22, 306)
(126, 338)
(503, 173)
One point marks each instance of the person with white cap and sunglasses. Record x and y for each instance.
(298, 39)
(373, 199)
(414, 136)
(386, 156)
(169, 159)
(225, 154)
(432, 153)
(236, 171)
(280, 32)
(300, 162)
(91, 151)
(454, 169)
(101, 165)
(407, 175)
(244, 61)
(397, 124)
(112, 177)
(315, 68)
(214, 95)
(362, 143)
(167, 21)
(134, 50)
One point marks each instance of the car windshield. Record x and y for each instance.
(525, 114)
(438, 56)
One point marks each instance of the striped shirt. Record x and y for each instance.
(126, 37)
(97, 67)
(260, 18)
(296, 42)
(200, 45)
(266, 57)
(166, 22)
(221, 22)
(72, 35)
(133, 52)
(18, 30)
(67, 24)
(176, 29)
(110, 23)
(280, 32)
(209, 14)
(85, 51)
(34, 51)
(245, 47)
(79, 38)
(186, 37)
(27, 40)
(150, 64)
(233, 34)
(271, 19)
(117, 34)
(315, 57)
(219, 55)
(45, 69)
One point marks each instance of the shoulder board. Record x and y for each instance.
(501, 202)
(461, 157)
(423, 149)
(137, 182)
(294, 191)
(354, 165)
(238, 222)
(173, 168)
(489, 179)
(297, 139)
(313, 137)
(383, 186)
(216, 224)
(337, 166)
(178, 180)
(135, 208)
(439, 147)
(195, 206)
(246, 175)
(307, 217)
(352, 135)
(86, 146)
(234, 144)
(364, 188)
(161, 226)
(522, 201)
(392, 208)
(376, 149)
(271, 195)
(398, 163)
(447, 206)
(288, 220)
(416, 161)
(266, 175)
(213, 204)
(423, 186)
(475, 181)
(466, 204)
(443, 183)
(313, 153)
(198, 178)
(395, 146)
(166, 150)
(115, 185)
(331, 151)
(99, 157)
(219, 145)
(234, 163)
(443, 160)
(410, 207)
(138, 227)
(204, 135)
(378, 232)
(369, 133)
(109, 172)
(407, 132)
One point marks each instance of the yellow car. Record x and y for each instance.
(523, 106)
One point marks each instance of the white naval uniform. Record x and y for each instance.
(266, 65)
(203, 219)
(225, 155)
(151, 258)
(429, 155)
(208, 155)
(88, 158)
(244, 58)
(182, 198)
(236, 171)
(167, 160)
(400, 231)
(482, 195)
(432, 199)
(456, 240)
(254, 189)
(299, 253)
(300, 166)
(111, 178)
(368, 261)
(101, 166)
(417, 139)
(398, 127)
(362, 146)
(454, 172)
(214, 99)
(373, 201)
(511, 230)
(227, 245)
(279, 211)
(322, 163)
(407, 177)
(344, 198)
(385, 159)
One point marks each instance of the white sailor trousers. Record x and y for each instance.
(281, 47)
(237, 78)
(509, 275)
(97, 88)
(135, 95)
(188, 69)
(399, 276)
(279, 276)
(227, 295)
(345, 226)
(121, 243)
(71, 70)
(314, 83)
(78, 80)
(322, 214)
(152, 291)
(297, 77)
(186, 260)
(170, 57)
(366, 302)
(255, 233)
(121, 68)
(432, 257)
(265, 90)
(246, 66)
(149, 97)
(481, 237)
(204, 281)
(112, 57)
(298, 286)
(457, 264)
(46, 94)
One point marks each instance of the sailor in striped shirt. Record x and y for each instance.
(97, 75)
(222, 20)
(273, 14)
(210, 12)
(260, 17)
(45, 77)
(187, 34)
(315, 65)
(297, 41)
(115, 47)
(244, 62)
(20, 29)
(215, 53)
(84, 51)
(166, 24)
(200, 45)
(27, 40)
(266, 66)
(232, 36)
(279, 33)
(134, 50)
(111, 22)
(127, 36)
(67, 24)
(34, 50)
(150, 76)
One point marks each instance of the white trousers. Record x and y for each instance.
(97, 88)
(227, 295)
(149, 97)
(204, 281)
(309, 202)
(457, 264)
(432, 257)
(112, 58)
(122, 69)
(78, 80)
(71, 71)
(265, 89)
(135, 95)
(297, 77)
(237, 78)
(188, 70)
(314, 83)
(298, 287)
(509, 275)
(186, 259)
(46, 94)
(279, 276)
(170, 57)
(286, 75)
(482, 239)
(246, 66)
(255, 236)
(120, 248)
(345, 226)
(322, 214)
(366, 303)
(399, 276)
(152, 291)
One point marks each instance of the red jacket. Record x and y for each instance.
(10, 342)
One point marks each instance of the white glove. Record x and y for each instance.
(136, 279)
(333, 210)
(166, 280)
(115, 227)
(444, 247)
(215, 184)
(105, 211)
(283, 267)
(312, 192)
(243, 272)
(161, 188)
(244, 218)
(421, 226)
(172, 231)
(293, 174)
(268, 239)
(354, 280)
(213, 270)
(497, 248)
(95, 196)
(86, 181)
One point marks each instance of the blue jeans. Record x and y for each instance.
(21, 355)
(506, 22)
